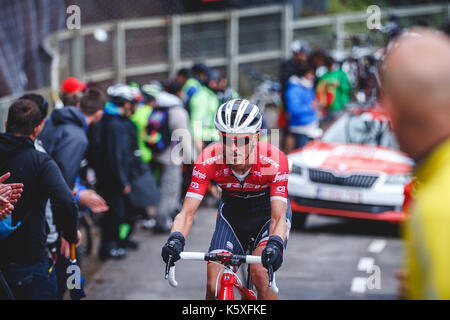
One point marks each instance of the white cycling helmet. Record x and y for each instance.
(238, 116)
(124, 92)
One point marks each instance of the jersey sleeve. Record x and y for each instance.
(201, 176)
(278, 187)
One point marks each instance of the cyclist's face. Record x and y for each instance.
(238, 147)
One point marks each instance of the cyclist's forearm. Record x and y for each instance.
(278, 219)
(183, 221)
(278, 227)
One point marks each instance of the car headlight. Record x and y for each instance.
(398, 179)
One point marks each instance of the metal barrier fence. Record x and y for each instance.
(237, 42)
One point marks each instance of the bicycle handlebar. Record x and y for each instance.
(234, 259)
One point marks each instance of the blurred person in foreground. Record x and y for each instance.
(24, 259)
(415, 81)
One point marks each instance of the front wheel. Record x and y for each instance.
(299, 220)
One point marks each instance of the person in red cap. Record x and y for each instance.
(72, 91)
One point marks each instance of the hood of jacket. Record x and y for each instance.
(68, 115)
(167, 100)
(295, 80)
(11, 145)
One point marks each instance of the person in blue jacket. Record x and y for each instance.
(303, 118)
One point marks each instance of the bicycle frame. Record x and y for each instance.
(229, 280)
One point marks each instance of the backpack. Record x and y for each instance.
(158, 132)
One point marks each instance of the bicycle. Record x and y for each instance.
(229, 279)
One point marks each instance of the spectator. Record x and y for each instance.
(333, 91)
(415, 92)
(52, 236)
(300, 52)
(72, 91)
(203, 107)
(303, 120)
(24, 260)
(115, 158)
(176, 126)
(40, 102)
(199, 78)
(183, 75)
(317, 60)
(65, 139)
(219, 84)
(140, 119)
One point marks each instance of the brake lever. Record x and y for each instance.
(169, 262)
(272, 283)
(270, 272)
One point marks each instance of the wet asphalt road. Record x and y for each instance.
(332, 258)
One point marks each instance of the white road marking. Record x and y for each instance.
(359, 285)
(365, 263)
(376, 246)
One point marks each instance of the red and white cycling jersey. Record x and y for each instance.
(269, 171)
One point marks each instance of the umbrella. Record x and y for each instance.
(77, 291)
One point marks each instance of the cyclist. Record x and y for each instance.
(253, 176)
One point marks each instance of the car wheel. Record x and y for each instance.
(299, 220)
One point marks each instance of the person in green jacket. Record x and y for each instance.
(140, 118)
(191, 84)
(203, 107)
(333, 90)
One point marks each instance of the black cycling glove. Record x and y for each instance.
(173, 247)
(272, 254)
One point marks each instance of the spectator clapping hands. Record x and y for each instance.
(9, 194)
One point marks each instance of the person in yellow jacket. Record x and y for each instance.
(415, 83)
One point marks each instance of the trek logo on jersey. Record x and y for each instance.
(245, 186)
(281, 177)
(198, 174)
(272, 162)
(211, 160)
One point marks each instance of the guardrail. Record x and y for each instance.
(257, 37)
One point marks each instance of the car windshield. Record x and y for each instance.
(361, 129)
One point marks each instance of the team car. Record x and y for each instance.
(355, 170)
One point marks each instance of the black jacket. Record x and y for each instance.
(65, 139)
(114, 153)
(42, 179)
